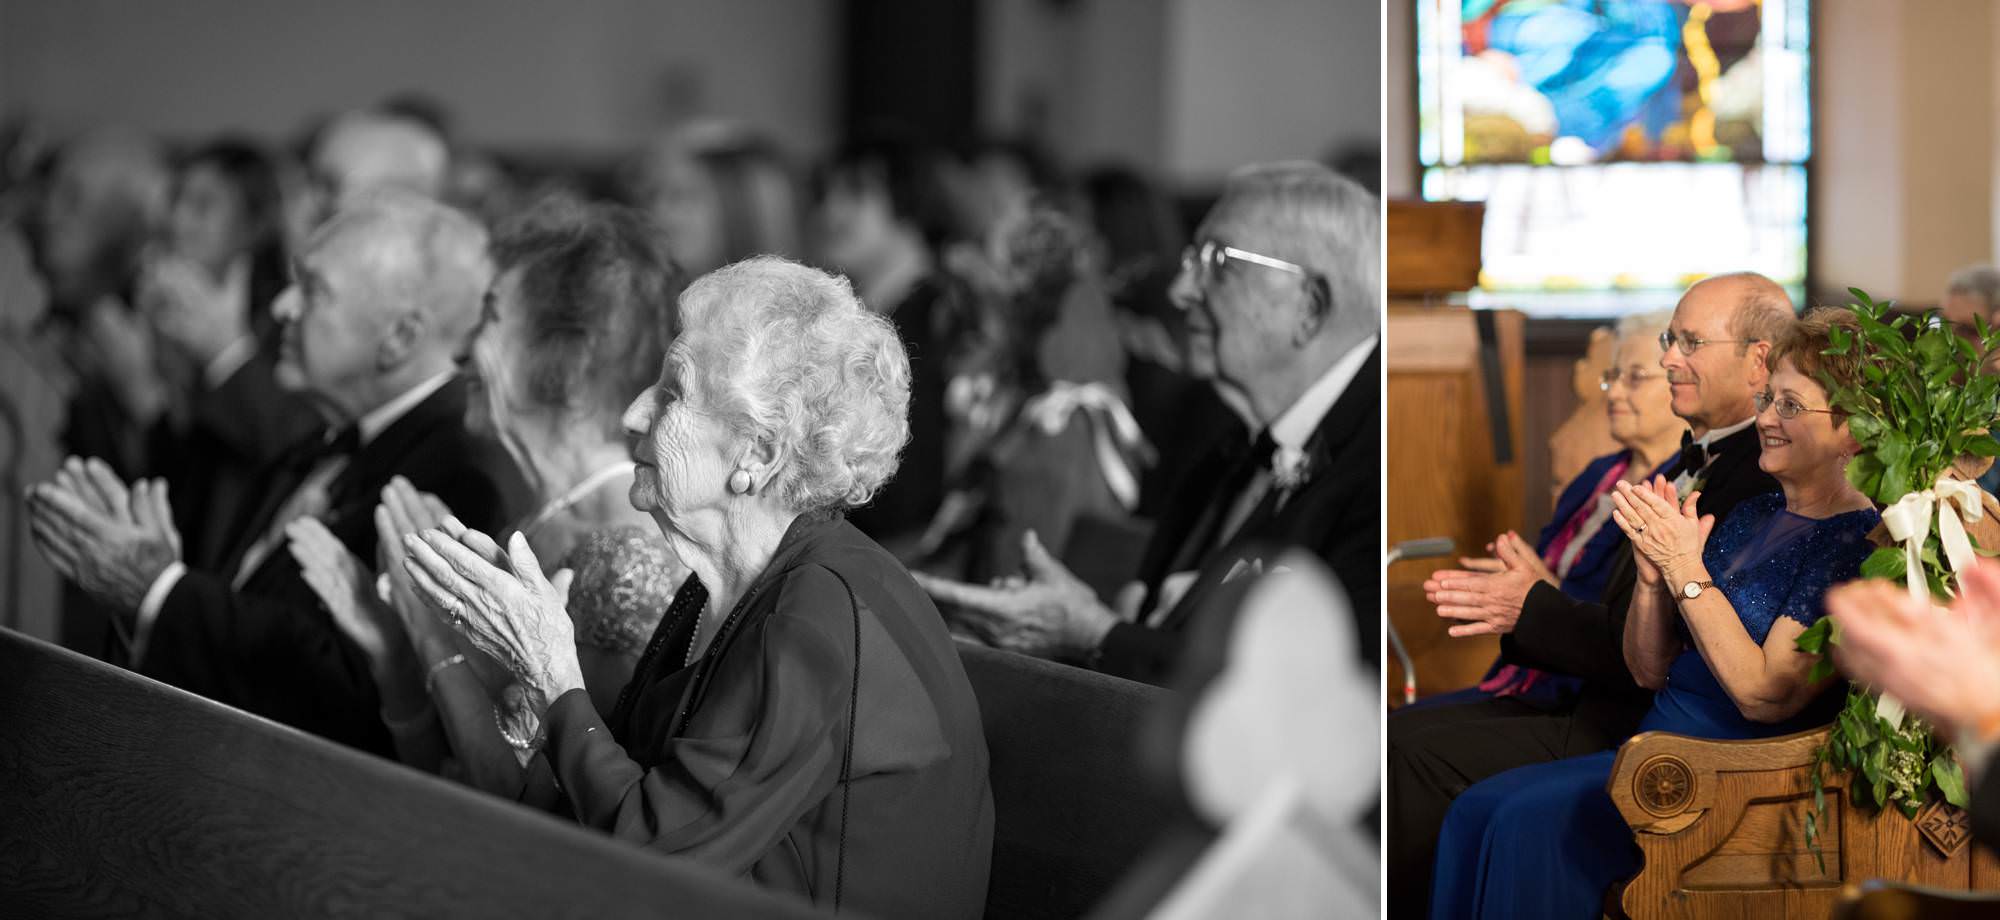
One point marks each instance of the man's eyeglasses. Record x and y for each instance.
(1205, 259)
(1632, 379)
(1690, 343)
(1787, 406)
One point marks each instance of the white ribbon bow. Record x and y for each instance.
(1051, 411)
(1909, 523)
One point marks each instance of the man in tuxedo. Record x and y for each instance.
(1721, 332)
(1281, 294)
(384, 295)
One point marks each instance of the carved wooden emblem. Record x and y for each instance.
(1664, 786)
(1946, 826)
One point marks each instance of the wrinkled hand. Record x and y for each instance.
(189, 310)
(1050, 612)
(510, 611)
(347, 588)
(1942, 663)
(1488, 603)
(111, 542)
(1667, 536)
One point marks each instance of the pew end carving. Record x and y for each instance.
(1721, 829)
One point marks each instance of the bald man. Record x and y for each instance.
(384, 294)
(1721, 332)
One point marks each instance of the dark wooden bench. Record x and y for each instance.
(1074, 811)
(123, 797)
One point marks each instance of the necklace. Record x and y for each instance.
(576, 493)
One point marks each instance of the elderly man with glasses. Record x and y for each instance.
(1281, 299)
(1714, 351)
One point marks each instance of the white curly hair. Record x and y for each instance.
(787, 355)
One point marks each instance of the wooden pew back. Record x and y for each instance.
(124, 797)
(1073, 811)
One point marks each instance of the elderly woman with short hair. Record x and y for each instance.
(800, 714)
(1576, 551)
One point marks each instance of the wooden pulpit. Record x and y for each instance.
(1454, 410)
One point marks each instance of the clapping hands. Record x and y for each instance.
(112, 542)
(1486, 594)
(1667, 533)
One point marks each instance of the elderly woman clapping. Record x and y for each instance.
(800, 714)
(1578, 548)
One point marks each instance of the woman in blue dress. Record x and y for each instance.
(1711, 629)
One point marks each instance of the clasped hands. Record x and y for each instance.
(111, 541)
(1046, 612)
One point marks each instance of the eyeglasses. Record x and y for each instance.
(1787, 406)
(1632, 379)
(1689, 343)
(1206, 258)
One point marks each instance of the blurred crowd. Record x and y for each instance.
(459, 459)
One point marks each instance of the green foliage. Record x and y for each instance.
(1924, 402)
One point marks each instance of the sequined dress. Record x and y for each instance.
(1545, 840)
(625, 577)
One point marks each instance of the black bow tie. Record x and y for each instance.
(333, 442)
(1694, 456)
(1262, 450)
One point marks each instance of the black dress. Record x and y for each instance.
(737, 759)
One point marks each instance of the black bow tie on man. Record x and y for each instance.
(1694, 455)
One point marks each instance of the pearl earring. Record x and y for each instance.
(739, 482)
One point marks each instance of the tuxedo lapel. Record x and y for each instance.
(1354, 415)
(360, 484)
(1343, 454)
(356, 489)
(278, 482)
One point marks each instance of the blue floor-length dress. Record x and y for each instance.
(1545, 841)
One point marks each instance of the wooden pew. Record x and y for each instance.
(1721, 826)
(1073, 811)
(1454, 462)
(123, 797)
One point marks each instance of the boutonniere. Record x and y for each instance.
(1290, 467)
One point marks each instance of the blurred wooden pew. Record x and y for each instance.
(1454, 408)
(123, 797)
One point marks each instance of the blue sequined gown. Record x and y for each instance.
(1544, 841)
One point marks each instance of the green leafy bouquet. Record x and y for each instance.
(1923, 404)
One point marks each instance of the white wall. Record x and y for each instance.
(1270, 79)
(1190, 88)
(587, 75)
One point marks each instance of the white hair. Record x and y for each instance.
(1329, 223)
(1981, 281)
(423, 256)
(1643, 325)
(789, 356)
